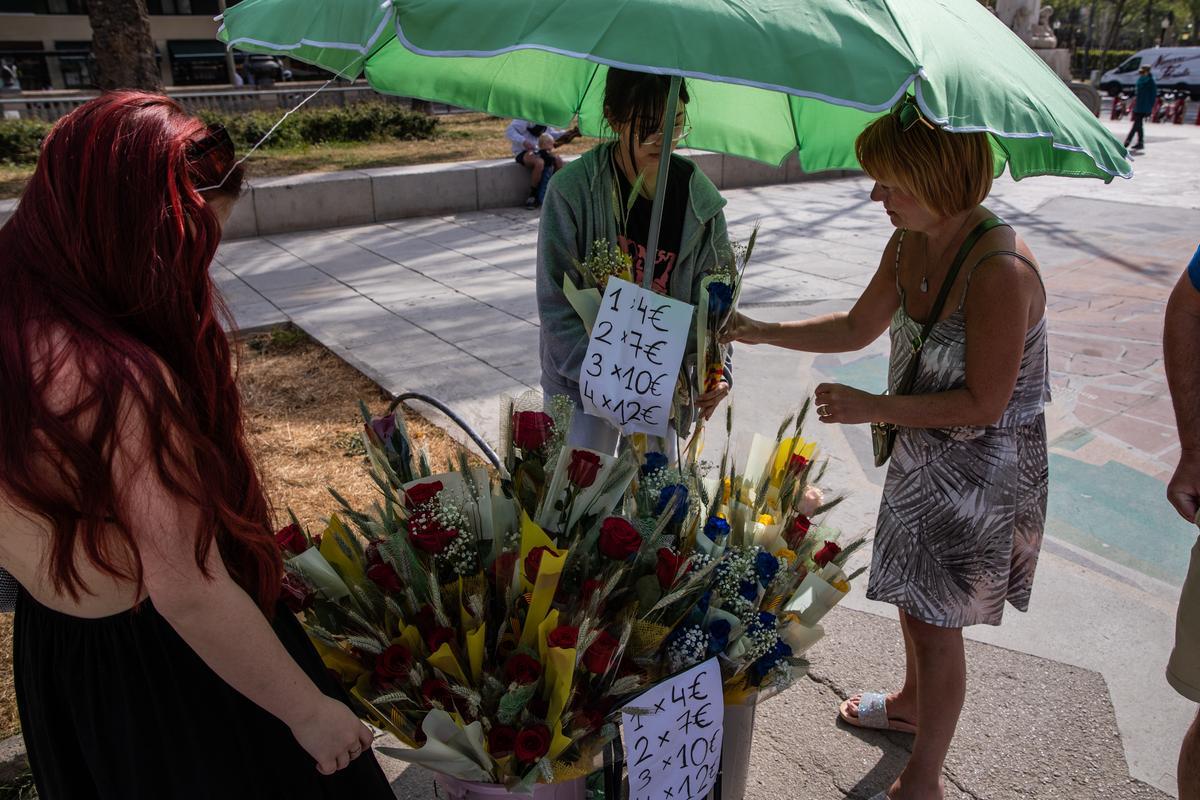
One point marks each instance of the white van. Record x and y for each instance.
(1172, 67)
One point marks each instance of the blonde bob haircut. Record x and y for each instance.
(947, 173)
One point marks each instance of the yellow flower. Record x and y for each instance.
(787, 555)
(766, 519)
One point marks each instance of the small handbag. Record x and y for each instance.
(883, 434)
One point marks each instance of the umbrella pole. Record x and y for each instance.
(660, 188)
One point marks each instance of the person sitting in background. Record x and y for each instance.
(533, 147)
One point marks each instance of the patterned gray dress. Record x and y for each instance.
(963, 511)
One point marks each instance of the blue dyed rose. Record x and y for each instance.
(653, 462)
(715, 528)
(748, 590)
(666, 497)
(767, 566)
(718, 636)
(720, 298)
(761, 668)
(765, 621)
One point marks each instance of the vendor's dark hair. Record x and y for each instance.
(637, 100)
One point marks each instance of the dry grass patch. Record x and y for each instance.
(302, 419)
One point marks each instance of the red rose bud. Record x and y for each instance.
(427, 535)
(296, 594)
(583, 468)
(564, 636)
(533, 561)
(667, 568)
(501, 740)
(437, 691)
(827, 553)
(385, 577)
(799, 530)
(618, 539)
(438, 637)
(522, 669)
(392, 664)
(532, 743)
(372, 554)
(422, 493)
(797, 463)
(292, 539)
(532, 429)
(589, 588)
(599, 657)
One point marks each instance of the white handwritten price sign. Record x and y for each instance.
(673, 742)
(633, 358)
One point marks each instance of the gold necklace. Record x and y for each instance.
(946, 249)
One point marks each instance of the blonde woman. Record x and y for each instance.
(964, 505)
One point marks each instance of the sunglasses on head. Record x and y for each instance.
(215, 138)
(908, 113)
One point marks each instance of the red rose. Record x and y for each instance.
(393, 663)
(599, 657)
(797, 463)
(295, 593)
(427, 534)
(438, 637)
(564, 636)
(532, 743)
(583, 468)
(619, 539)
(590, 718)
(799, 530)
(522, 669)
(588, 588)
(827, 553)
(668, 566)
(437, 691)
(372, 554)
(425, 619)
(533, 561)
(501, 739)
(422, 493)
(532, 429)
(385, 577)
(292, 539)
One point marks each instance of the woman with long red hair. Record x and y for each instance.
(152, 657)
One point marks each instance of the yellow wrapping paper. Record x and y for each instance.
(783, 455)
(560, 673)
(547, 625)
(341, 662)
(475, 643)
(445, 660)
(350, 570)
(531, 536)
(558, 743)
(543, 594)
(410, 637)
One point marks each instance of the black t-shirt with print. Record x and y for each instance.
(637, 231)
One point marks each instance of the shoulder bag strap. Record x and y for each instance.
(967, 246)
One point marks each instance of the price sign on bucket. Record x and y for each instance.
(633, 358)
(673, 736)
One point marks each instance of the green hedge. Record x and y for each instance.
(20, 140)
(1103, 60)
(363, 122)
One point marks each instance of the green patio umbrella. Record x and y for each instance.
(766, 77)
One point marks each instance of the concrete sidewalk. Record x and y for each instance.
(446, 306)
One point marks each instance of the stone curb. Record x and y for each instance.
(361, 197)
(13, 759)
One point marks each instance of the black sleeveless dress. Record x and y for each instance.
(120, 708)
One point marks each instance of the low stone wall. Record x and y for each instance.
(358, 197)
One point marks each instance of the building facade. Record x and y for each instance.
(49, 42)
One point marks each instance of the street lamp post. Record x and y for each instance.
(230, 67)
(1166, 24)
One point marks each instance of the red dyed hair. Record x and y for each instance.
(109, 251)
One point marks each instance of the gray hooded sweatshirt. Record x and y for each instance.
(578, 210)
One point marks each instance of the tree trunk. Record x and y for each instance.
(1115, 28)
(122, 45)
